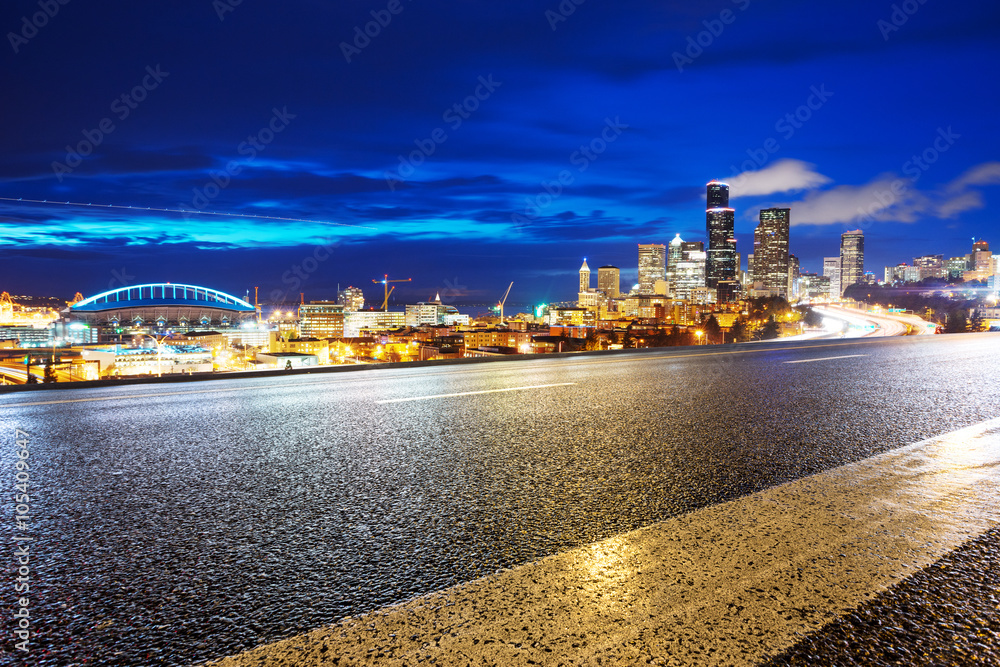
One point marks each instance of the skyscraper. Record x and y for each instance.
(584, 276)
(674, 254)
(720, 261)
(609, 281)
(718, 194)
(793, 277)
(831, 270)
(770, 251)
(852, 259)
(652, 266)
(690, 272)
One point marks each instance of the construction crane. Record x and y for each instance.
(503, 301)
(385, 281)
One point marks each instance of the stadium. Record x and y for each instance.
(154, 308)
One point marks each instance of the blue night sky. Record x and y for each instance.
(434, 150)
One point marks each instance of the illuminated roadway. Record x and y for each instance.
(177, 523)
(862, 323)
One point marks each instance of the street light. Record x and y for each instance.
(698, 334)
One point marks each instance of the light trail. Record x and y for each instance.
(181, 211)
(809, 361)
(473, 393)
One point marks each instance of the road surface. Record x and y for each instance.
(174, 524)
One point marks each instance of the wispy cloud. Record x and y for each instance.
(786, 175)
(891, 198)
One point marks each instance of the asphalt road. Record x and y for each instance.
(173, 524)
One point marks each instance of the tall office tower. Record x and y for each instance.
(352, 299)
(720, 262)
(674, 254)
(718, 194)
(692, 246)
(609, 281)
(852, 259)
(770, 251)
(690, 273)
(584, 276)
(652, 266)
(831, 270)
(793, 277)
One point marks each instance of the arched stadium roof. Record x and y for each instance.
(162, 294)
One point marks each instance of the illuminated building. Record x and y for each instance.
(720, 262)
(979, 262)
(852, 259)
(956, 266)
(320, 348)
(728, 291)
(674, 255)
(282, 360)
(584, 277)
(321, 319)
(793, 277)
(496, 338)
(652, 266)
(930, 266)
(831, 269)
(351, 298)
(981, 258)
(157, 308)
(433, 313)
(814, 287)
(609, 281)
(770, 251)
(690, 272)
(372, 320)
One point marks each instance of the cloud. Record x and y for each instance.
(987, 173)
(783, 176)
(890, 198)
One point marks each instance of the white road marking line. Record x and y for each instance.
(473, 393)
(731, 584)
(808, 361)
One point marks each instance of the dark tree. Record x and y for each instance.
(957, 322)
(712, 329)
(811, 318)
(770, 330)
(738, 332)
(50, 374)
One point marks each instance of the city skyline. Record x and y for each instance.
(471, 147)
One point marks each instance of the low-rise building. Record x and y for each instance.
(286, 360)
